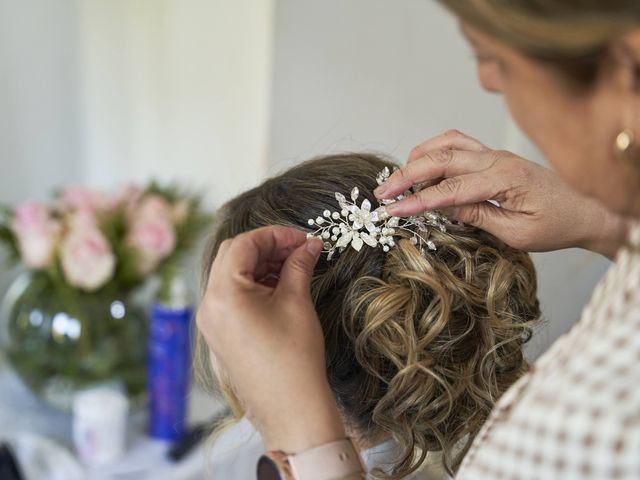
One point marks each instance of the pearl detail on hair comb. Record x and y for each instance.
(356, 226)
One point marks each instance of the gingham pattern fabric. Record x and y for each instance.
(576, 414)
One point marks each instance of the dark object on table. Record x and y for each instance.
(193, 437)
(8, 464)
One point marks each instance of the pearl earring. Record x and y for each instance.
(624, 140)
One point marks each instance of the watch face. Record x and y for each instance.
(267, 469)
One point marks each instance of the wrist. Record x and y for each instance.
(307, 423)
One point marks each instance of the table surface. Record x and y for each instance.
(21, 411)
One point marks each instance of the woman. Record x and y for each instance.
(419, 342)
(569, 71)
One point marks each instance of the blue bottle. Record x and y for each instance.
(169, 364)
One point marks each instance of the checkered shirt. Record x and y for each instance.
(576, 414)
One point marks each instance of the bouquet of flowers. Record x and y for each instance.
(72, 321)
(89, 240)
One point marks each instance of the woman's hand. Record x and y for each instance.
(266, 336)
(537, 211)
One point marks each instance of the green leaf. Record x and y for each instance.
(10, 242)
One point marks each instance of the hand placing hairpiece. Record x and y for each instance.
(357, 225)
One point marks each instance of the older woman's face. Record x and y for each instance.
(575, 130)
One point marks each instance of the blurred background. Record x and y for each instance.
(217, 94)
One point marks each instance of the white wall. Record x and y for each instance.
(371, 74)
(176, 89)
(39, 146)
(104, 91)
(385, 75)
(38, 98)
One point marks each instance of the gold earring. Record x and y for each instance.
(624, 140)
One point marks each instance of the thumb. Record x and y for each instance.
(296, 273)
(484, 215)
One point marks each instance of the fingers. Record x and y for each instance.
(502, 223)
(436, 165)
(434, 159)
(298, 269)
(483, 215)
(451, 139)
(254, 254)
(450, 192)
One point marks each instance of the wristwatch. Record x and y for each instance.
(330, 461)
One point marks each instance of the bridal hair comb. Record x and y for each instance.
(357, 225)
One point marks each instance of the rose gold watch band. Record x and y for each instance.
(331, 461)
(337, 460)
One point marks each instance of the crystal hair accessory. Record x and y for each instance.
(356, 226)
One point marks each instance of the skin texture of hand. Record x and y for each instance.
(265, 335)
(537, 212)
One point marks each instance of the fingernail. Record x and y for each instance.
(380, 190)
(314, 246)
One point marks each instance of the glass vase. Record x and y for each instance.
(60, 340)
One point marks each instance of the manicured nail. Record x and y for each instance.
(378, 192)
(314, 246)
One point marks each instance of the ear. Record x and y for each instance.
(627, 55)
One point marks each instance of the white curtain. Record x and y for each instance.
(177, 89)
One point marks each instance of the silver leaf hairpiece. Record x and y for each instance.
(356, 226)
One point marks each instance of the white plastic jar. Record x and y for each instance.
(100, 425)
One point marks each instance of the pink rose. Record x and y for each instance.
(154, 239)
(77, 197)
(151, 232)
(87, 259)
(153, 207)
(37, 234)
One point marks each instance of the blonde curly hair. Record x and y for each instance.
(418, 347)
